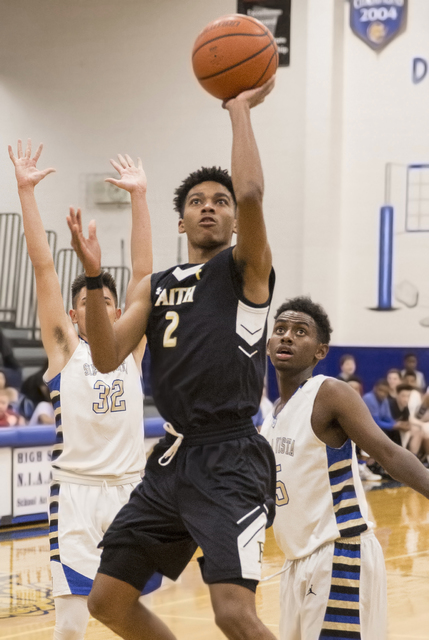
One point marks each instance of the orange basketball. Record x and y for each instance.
(232, 54)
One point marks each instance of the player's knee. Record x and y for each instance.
(236, 623)
(71, 617)
(69, 629)
(98, 606)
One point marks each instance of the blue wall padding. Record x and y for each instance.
(153, 427)
(27, 436)
(45, 434)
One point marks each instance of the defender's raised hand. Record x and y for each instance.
(133, 178)
(26, 172)
(87, 249)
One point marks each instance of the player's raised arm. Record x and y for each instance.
(338, 403)
(252, 250)
(133, 179)
(58, 335)
(110, 345)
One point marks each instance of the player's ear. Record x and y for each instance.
(181, 226)
(322, 351)
(72, 314)
(118, 313)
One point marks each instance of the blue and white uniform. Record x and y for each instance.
(334, 583)
(97, 460)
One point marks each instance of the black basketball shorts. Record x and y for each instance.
(219, 497)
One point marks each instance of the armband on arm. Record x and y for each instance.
(94, 283)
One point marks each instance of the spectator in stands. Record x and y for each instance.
(363, 458)
(5, 386)
(408, 427)
(356, 384)
(394, 378)
(410, 364)
(43, 414)
(9, 365)
(34, 387)
(410, 377)
(347, 367)
(378, 404)
(8, 417)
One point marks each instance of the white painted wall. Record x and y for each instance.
(96, 77)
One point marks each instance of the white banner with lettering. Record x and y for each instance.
(31, 479)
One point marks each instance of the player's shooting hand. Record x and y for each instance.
(133, 178)
(87, 249)
(253, 97)
(26, 172)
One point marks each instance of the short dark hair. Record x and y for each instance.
(404, 387)
(205, 174)
(410, 355)
(381, 382)
(80, 282)
(410, 372)
(355, 379)
(346, 356)
(304, 304)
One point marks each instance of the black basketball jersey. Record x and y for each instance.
(208, 347)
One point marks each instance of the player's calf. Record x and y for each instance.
(235, 613)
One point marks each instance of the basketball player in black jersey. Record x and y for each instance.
(211, 481)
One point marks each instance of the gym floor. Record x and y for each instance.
(401, 517)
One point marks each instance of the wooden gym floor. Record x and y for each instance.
(402, 526)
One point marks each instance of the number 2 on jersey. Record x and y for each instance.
(282, 497)
(169, 341)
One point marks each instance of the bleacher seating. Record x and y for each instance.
(18, 299)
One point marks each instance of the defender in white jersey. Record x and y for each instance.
(333, 583)
(98, 457)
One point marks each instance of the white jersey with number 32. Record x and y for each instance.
(99, 421)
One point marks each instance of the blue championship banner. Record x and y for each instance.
(377, 22)
(275, 15)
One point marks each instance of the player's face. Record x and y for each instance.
(78, 315)
(209, 215)
(294, 344)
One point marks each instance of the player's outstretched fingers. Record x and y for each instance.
(122, 160)
(38, 152)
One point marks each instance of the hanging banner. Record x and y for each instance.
(275, 15)
(377, 22)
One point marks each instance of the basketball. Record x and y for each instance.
(234, 53)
